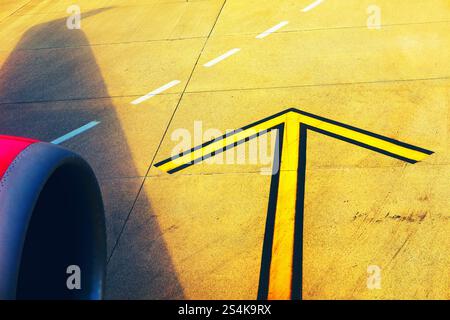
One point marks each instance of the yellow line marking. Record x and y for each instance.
(221, 143)
(362, 138)
(282, 246)
(280, 279)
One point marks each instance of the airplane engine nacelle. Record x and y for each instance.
(52, 225)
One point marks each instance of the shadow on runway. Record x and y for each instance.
(47, 92)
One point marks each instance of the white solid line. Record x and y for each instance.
(222, 57)
(312, 5)
(75, 132)
(272, 30)
(156, 91)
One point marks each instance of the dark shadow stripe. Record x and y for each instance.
(266, 258)
(297, 266)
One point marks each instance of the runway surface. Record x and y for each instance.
(140, 76)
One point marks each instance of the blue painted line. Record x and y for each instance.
(75, 132)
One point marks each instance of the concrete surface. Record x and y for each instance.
(199, 233)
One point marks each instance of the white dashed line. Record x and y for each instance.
(222, 57)
(272, 30)
(312, 5)
(75, 132)
(155, 92)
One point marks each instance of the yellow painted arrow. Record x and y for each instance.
(281, 265)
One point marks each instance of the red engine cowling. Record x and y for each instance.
(10, 147)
